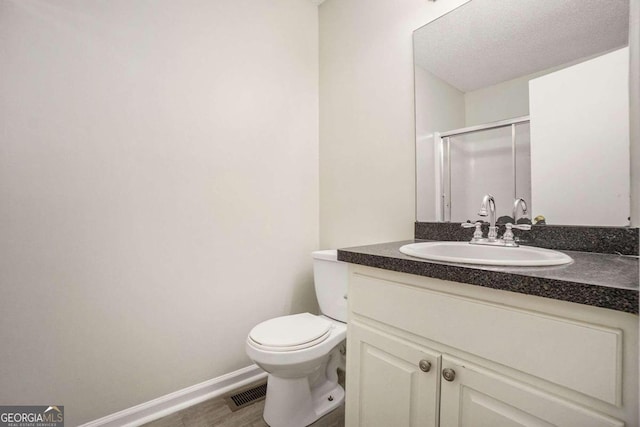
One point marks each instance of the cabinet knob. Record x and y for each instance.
(448, 374)
(425, 365)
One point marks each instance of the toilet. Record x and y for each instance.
(302, 352)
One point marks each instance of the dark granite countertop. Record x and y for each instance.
(601, 280)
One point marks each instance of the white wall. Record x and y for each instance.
(159, 187)
(634, 108)
(367, 129)
(439, 107)
(582, 112)
(505, 100)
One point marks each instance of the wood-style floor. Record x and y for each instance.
(215, 412)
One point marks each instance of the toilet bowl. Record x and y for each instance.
(303, 381)
(302, 352)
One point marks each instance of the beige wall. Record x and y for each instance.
(367, 131)
(159, 187)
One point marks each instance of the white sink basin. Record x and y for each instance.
(464, 252)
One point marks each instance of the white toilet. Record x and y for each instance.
(302, 352)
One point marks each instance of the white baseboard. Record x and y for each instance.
(173, 402)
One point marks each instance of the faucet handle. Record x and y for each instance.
(508, 235)
(477, 235)
(470, 225)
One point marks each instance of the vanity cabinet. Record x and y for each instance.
(397, 381)
(477, 396)
(428, 352)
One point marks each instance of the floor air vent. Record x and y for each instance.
(246, 396)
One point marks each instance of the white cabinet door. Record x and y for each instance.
(386, 385)
(478, 397)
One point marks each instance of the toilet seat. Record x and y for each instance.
(290, 333)
(293, 359)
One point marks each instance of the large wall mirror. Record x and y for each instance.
(524, 99)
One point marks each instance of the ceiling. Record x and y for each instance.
(485, 42)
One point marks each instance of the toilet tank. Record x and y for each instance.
(330, 277)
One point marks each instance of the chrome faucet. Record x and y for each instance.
(488, 208)
(519, 203)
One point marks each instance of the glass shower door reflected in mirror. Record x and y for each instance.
(475, 162)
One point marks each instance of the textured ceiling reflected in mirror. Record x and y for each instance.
(486, 42)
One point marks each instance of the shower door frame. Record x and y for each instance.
(443, 145)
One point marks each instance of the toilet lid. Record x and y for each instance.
(293, 332)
